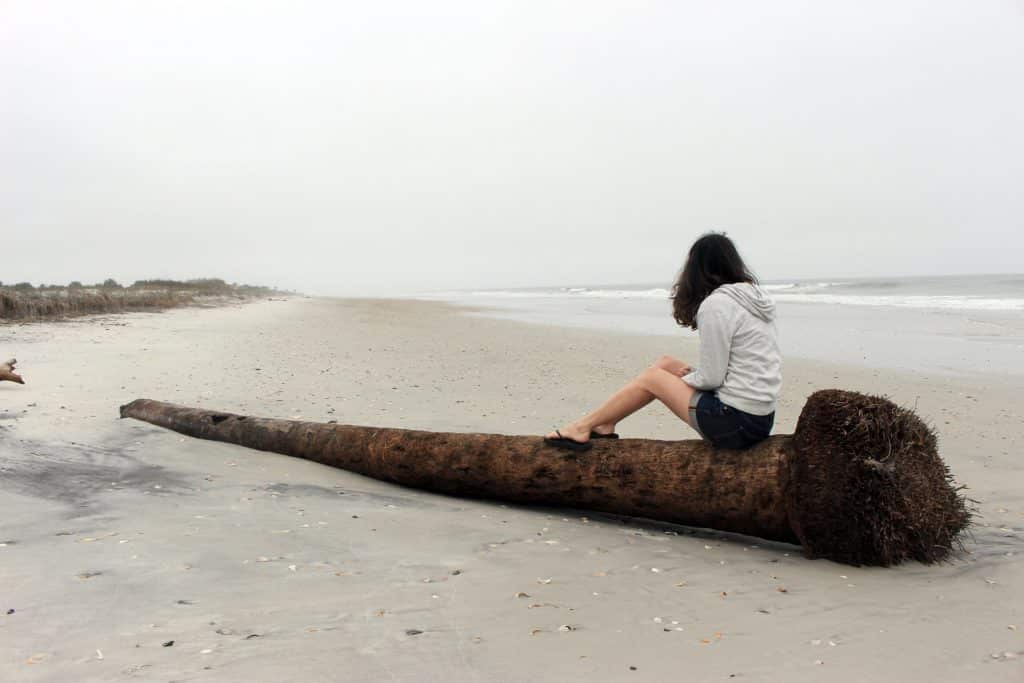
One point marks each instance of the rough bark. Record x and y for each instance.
(762, 491)
(684, 482)
(8, 374)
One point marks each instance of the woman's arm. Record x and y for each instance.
(716, 329)
(673, 365)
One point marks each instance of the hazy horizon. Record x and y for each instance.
(368, 150)
(831, 279)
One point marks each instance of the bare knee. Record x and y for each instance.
(647, 378)
(664, 362)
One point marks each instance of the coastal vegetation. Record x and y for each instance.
(24, 301)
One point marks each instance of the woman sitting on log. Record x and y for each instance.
(729, 398)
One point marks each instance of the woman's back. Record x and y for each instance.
(739, 357)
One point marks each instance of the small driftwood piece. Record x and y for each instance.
(859, 482)
(8, 374)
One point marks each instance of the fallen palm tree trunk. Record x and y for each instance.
(8, 374)
(859, 482)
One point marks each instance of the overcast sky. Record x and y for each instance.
(378, 147)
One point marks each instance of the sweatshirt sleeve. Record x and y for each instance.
(716, 329)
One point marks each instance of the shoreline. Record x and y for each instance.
(265, 567)
(922, 341)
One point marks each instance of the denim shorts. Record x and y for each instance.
(725, 426)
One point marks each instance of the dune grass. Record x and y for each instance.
(25, 302)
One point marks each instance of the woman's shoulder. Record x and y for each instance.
(716, 300)
(716, 305)
(740, 298)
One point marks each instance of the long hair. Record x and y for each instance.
(713, 261)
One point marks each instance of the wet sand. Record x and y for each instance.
(117, 538)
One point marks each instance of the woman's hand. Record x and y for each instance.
(673, 365)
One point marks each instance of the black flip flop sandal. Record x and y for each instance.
(567, 443)
(595, 435)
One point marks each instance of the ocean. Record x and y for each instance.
(949, 324)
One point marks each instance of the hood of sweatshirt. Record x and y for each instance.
(752, 298)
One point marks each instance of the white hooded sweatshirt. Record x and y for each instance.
(739, 349)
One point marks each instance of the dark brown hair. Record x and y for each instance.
(712, 261)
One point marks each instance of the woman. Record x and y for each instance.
(729, 398)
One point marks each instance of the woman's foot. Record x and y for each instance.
(572, 431)
(603, 430)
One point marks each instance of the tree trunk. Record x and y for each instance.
(684, 482)
(770, 490)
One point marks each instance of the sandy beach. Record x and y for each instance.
(130, 552)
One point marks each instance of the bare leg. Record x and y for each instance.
(652, 383)
(669, 363)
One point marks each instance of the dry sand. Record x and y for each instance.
(117, 537)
